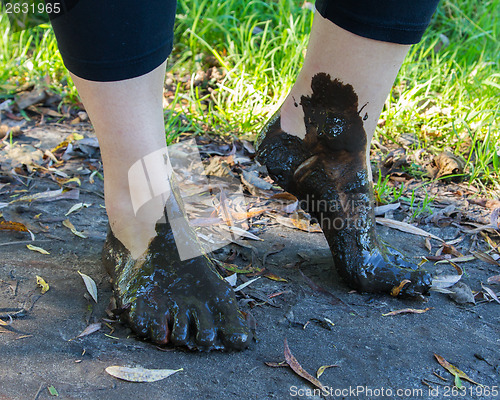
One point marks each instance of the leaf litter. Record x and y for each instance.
(139, 374)
(90, 285)
(454, 371)
(297, 368)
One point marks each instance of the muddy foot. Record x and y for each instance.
(185, 303)
(327, 170)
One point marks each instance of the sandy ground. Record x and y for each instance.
(387, 355)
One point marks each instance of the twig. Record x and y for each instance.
(24, 242)
(38, 392)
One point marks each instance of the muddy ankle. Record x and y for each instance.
(173, 300)
(327, 170)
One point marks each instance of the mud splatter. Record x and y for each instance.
(185, 303)
(327, 170)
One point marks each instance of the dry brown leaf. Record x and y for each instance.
(298, 223)
(73, 230)
(140, 374)
(407, 311)
(491, 293)
(404, 227)
(12, 226)
(495, 279)
(280, 364)
(446, 281)
(90, 329)
(485, 257)
(287, 202)
(453, 370)
(297, 368)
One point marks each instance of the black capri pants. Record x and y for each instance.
(113, 40)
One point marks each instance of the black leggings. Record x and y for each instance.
(112, 40)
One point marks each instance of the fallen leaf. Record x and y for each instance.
(238, 270)
(44, 285)
(54, 195)
(485, 257)
(453, 370)
(491, 293)
(407, 311)
(140, 374)
(287, 201)
(240, 232)
(52, 390)
(404, 227)
(298, 223)
(90, 285)
(297, 368)
(397, 289)
(274, 277)
(251, 179)
(73, 230)
(381, 210)
(244, 285)
(457, 259)
(12, 226)
(494, 279)
(77, 207)
(322, 369)
(35, 248)
(446, 281)
(276, 364)
(90, 329)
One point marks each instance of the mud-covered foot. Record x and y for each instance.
(169, 300)
(327, 170)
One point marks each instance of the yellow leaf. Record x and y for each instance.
(322, 369)
(35, 248)
(454, 370)
(73, 230)
(274, 277)
(41, 282)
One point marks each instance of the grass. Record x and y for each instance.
(446, 95)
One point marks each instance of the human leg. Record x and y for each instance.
(168, 300)
(317, 147)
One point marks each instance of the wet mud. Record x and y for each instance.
(327, 171)
(172, 301)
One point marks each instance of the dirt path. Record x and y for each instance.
(371, 351)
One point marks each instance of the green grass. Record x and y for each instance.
(260, 46)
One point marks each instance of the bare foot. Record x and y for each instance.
(186, 303)
(327, 170)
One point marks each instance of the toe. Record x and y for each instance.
(235, 333)
(205, 336)
(160, 331)
(137, 319)
(180, 329)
